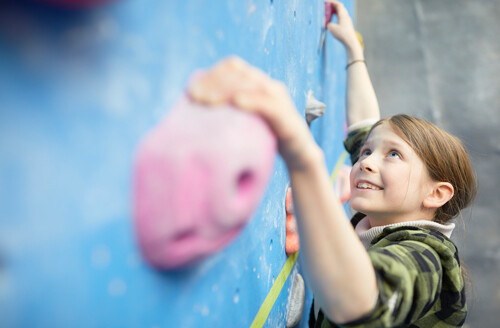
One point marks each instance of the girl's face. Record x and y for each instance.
(389, 182)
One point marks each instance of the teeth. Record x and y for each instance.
(364, 185)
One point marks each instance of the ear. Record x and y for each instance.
(440, 194)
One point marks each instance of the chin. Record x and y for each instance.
(357, 205)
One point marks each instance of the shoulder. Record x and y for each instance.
(419, 280)
(425, 263)
(416, 251)
(411, 252)
(422, 254)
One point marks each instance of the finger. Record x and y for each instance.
(232, 62)
(340, 10)
(343, 15)
(253, 101)
(269, 107)
(275, 89)
(255, 75)
(225, 76)
(277, 111)
(216, 85)
(261, 85)
(206, 91)
(333, 28)
(195, 82)
(241, 79)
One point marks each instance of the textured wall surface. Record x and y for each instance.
(440, 60)
(78, 90)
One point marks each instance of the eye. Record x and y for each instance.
(365, 152)
(394, 154)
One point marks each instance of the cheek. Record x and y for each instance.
(399, 185)
(352, 175)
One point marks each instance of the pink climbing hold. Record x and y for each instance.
(342, 183)
(199, 176)
(329, 11)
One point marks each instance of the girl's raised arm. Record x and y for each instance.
(338, 268)
(361, 101)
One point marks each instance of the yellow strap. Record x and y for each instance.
(265, 308)
(360, 39)
(336, 169)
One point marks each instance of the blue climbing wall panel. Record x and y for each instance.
(78, 90)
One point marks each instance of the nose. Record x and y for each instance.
(367, 164)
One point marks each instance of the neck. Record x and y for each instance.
(383, 220)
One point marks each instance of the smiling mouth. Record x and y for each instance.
(366, 185)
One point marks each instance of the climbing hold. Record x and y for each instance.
(292, 242)
(314, 107)
(342, 183)
(296, 306)
(199, 175)
(289, 201)
(340, 178)
(329, 11)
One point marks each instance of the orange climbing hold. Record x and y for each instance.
(292, 244)
(342, 184)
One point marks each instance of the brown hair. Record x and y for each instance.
(444, 156)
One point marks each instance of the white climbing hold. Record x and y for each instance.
(296, 302)
(314, 107)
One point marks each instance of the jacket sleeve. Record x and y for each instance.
(409, 280)
(355, 140)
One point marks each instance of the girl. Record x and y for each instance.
(397, 266)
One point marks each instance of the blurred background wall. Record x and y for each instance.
(440, 60)
(79, 87)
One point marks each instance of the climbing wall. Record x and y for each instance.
(79, 87)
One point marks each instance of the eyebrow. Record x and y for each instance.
(390, 143)
(394, 143)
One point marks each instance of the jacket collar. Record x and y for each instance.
(366, 233)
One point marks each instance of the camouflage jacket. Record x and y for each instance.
(419, 280)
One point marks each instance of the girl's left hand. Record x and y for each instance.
(234, 81)
(344, 30)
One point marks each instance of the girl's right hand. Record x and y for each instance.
(234, 81)
(344, 30)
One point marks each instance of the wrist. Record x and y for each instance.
(304, 156)
(354, 53)
(354, 49)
